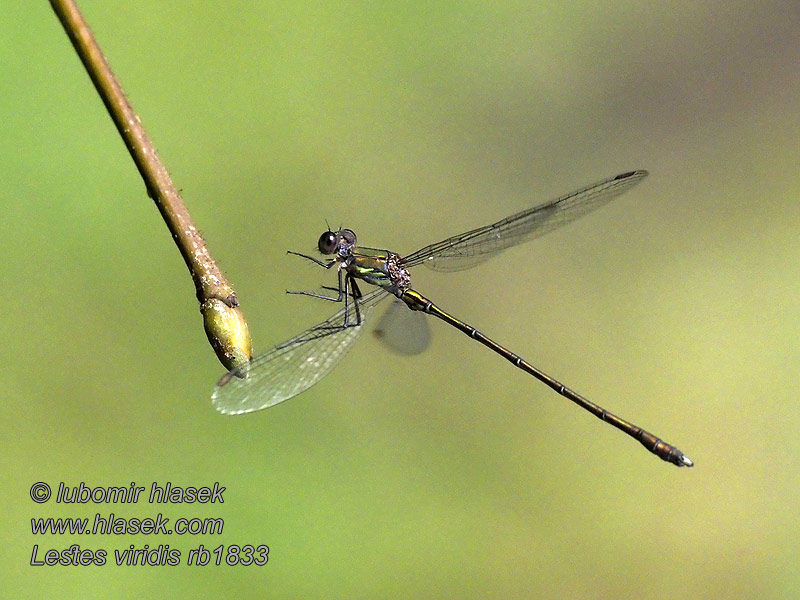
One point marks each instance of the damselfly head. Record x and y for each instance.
(331, 242)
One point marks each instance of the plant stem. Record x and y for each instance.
(224, 323)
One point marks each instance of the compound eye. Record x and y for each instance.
(328, 242)
(348, 236)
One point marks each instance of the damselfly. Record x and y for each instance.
(302, 361)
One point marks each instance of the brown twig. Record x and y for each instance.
(224, 323)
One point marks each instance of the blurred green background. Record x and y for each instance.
(453, 475)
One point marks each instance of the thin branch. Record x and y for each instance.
(224, 323)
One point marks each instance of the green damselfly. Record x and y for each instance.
(302, 361)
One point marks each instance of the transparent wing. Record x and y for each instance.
(403, 330)
(293, 366)
(470, 248)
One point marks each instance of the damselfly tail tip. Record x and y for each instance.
(685, 461)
